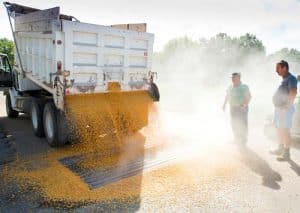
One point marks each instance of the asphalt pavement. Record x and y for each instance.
(216, 177)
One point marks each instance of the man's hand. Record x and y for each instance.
(244, 106)
(283, 110)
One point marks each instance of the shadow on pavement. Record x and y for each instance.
(118, 191)
(26, 143)
(296, 143)
(295, 167)
(253, 161)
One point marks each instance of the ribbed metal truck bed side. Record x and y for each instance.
(92, 53)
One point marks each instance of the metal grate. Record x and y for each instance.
(99, 177)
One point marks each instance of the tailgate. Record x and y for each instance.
(96, 55)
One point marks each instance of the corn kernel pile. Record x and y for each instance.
(100, 121)
(104, 126)
(104, 133)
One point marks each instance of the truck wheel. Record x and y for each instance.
(64, 134)
(37, 118)
(54, 125)
(11, 113)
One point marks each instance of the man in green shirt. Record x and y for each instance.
(238, 95)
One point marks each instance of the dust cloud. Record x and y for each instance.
(193, 79)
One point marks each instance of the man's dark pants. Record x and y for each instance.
(239, 123)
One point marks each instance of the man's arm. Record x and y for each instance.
(247, 98)
(291, 98)
(292, 85)
(292, 95)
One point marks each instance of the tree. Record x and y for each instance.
(175, 46)
(183, 42)
(7, 47)
(250, 44)
(291, 55)
(210, 60)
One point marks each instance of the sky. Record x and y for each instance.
(275, 22)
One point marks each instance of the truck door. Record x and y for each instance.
(5, 73)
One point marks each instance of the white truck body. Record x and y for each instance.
(91, 55)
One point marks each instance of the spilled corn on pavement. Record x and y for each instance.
(210, 176)
(59, 187)
(107, 140)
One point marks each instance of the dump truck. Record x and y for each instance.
(59, 58)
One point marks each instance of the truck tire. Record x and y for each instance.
(11, 113)
(64, 135)
(55, 126)
(36, 114)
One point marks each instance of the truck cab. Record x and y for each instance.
(6, 84)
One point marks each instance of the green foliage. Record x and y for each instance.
(219, 55)
(290, 55)
(221, 45)
(183, 42)
(7, 47)
(249, 43)
(175, 46)
(211, 60)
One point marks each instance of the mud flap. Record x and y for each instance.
(154, 92)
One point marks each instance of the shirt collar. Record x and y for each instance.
(287, 75)
(237, 85)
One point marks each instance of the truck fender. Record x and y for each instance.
(13, 97)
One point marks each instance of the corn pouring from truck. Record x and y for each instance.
(70, 75)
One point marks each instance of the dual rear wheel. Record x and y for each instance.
(50, 122)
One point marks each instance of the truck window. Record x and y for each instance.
(4, 65)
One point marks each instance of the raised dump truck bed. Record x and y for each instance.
(58, 56)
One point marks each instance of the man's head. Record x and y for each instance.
(236, 78)
(282, 68)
